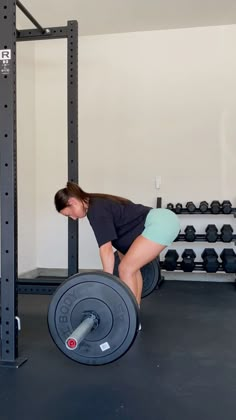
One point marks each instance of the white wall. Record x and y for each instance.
(51, 150)
(26, 157)
(151, 103)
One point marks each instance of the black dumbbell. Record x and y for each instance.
(188, 264)
(171, 258)
(203, 207)
(178, 208)
(190, 235)
(170, 206)
(191, 207)
(226, 207)
(226, 233)
(228, 257)
(210, 260)
(211, 233)
(215, 207)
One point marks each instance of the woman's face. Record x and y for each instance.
(76, 209)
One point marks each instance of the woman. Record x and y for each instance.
(139, 233)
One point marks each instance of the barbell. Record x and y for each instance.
(93, 318)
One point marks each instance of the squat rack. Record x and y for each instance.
(9, 35)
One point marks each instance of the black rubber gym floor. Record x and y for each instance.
(182, 365)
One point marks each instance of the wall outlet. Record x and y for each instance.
(158, 182)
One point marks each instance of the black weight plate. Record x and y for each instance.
(151, 274)
(104, 295)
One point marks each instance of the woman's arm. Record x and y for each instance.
(107, 257)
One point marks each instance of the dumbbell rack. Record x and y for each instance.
(198, 211)
(198, 266)
(201, 238)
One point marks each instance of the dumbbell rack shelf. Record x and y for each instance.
(198, 211)
(202, 238)
(198, 266)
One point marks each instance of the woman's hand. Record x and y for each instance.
(107, 257)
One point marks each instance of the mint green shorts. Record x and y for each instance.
(161, 226)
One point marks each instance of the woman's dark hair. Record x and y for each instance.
(73, 190)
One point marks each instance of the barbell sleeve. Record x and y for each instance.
(80, 332)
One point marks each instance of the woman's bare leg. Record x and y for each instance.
(141, 252)
(139, 280)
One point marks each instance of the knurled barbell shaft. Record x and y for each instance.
(80, 332)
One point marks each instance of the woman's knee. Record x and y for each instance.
(124, 269)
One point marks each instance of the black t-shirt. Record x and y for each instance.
(116, 222)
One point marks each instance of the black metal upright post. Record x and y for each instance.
(8, 163)
(73, 170)
(8, 175)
